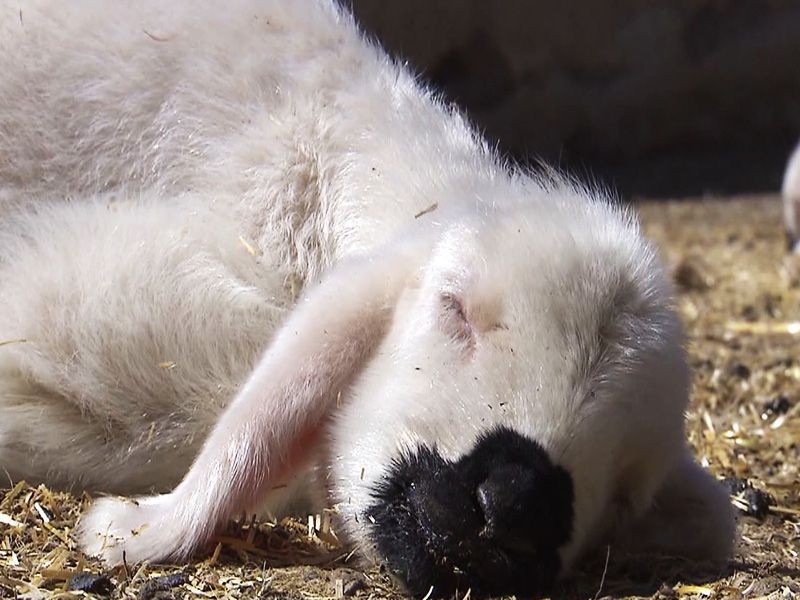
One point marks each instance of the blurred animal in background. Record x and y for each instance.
(791, 199)
(246, 254)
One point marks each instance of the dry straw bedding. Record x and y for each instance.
(740, 297)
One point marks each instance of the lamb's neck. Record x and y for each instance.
(326, 184)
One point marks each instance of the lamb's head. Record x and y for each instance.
(530, 389)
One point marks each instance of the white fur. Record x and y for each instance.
(146, 148)
(791, 198)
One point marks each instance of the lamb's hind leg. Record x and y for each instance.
(37, 428)
(140, 321)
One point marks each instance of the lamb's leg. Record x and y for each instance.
(271, 427)
(35, 428)
(691, 518)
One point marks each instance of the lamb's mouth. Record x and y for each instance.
(433, 520)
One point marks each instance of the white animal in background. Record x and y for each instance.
(241, 247)
(791, 199)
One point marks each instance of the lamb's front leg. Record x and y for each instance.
(269, 429)
(243, 455)
(691, 518)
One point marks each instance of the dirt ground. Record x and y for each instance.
(740, 298)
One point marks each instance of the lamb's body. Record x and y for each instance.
(173, 175)
(148, 167)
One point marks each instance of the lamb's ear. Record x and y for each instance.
(274, 423)
(791, 201)
(691, 518)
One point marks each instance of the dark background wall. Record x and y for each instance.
(659, 98)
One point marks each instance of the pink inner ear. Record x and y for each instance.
(454, 320)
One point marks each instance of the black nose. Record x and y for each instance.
(507, 499)
(492, 521)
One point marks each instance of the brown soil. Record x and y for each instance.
(740, 297)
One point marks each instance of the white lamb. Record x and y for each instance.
(791, 199)
(240, 247)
